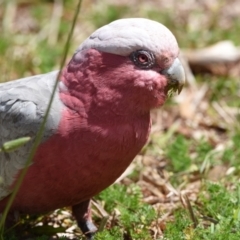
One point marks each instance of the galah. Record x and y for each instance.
(98, 122)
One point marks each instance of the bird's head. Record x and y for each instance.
(129, 62)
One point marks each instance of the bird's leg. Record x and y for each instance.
(82, 213)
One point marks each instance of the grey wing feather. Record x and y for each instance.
(22, 107)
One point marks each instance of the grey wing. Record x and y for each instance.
(22, 107)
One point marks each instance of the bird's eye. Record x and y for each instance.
(143, 59)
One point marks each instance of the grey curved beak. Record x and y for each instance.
(175, 75)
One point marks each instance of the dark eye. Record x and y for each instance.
(143, 59)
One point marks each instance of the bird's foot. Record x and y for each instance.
(82, 213)
(88, 228)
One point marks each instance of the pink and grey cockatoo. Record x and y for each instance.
(99, 119)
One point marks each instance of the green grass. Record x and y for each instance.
(132, 217)
(218, 214)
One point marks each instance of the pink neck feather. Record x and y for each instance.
(110, 85)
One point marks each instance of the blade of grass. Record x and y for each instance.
(190, 210)
(41, 129)
(55, 22)
(9, 15)
(14, 144)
